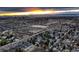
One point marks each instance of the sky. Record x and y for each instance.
(26, 9)
(21, 9)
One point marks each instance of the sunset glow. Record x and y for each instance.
(33, 12)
